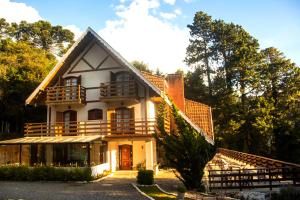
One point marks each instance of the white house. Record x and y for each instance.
(101, 111)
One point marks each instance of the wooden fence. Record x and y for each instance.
(253, 178)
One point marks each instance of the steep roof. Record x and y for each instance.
(154, 82)
(73, 52)
(200, 114)
(158, 81)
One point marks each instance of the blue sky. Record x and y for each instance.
(136, 28)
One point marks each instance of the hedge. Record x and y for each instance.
(44, 173)
(145, 177)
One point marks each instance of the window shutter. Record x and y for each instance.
(79, 80)
(112, 76)
(132, 119)
(113, 122)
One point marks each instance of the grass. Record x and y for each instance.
(156, 193)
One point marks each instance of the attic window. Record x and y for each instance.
(95, 114)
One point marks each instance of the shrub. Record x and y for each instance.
(145, 177)
(288, 193)
(23, 173)
(181, 189)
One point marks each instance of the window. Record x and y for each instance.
(95, 114)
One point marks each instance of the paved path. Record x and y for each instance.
(112, 188)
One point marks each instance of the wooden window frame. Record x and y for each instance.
(92, 114)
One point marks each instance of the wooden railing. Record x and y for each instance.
(118, 90)
(66, 95)
(254, 160)
(253, 178)
(115, 127)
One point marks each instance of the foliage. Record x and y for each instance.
(26, 57)
(181, 189)
(288, 193)
(140, 65)
(254, 93)
(41, 34)
(145, 177)
(44, 173)
(185, 149)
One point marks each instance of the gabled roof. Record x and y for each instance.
(74, 51)
(88, 35)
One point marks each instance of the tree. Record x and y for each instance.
(255, 94)
(22, 68)
(186, 150)
(200, 51)
(140, 65)
(42, 34)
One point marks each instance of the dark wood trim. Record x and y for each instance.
(86, 62)
(92, 88)
(88, 49)
(93, 101)
(20, 154)
(102, 62)
(88, 149)
(101, 69)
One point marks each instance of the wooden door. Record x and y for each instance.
(125, 157)
(70, 121)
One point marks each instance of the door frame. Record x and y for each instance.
(120, 156)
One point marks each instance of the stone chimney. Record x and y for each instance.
(175, 89)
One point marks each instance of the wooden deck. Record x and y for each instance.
(236, 170)
(66, 95)
(92, 127)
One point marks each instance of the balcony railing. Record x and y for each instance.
(118, 90)
(93, 127)
(66, 95)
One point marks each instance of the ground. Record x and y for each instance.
(115, 187)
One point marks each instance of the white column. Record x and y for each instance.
(149, 155)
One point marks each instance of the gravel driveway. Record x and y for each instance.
(112, 188)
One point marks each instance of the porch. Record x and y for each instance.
(125, 127)
(67, 151)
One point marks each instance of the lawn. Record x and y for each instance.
(155, 193)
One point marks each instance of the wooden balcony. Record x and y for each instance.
(93, 127)
(66, 95)
(118, 91)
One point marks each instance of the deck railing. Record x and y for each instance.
(66, 95)
(118, 89)
(254, 178)
(92, 127)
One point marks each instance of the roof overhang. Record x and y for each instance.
(52, 140)
(88, 35)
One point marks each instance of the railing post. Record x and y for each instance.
(294, 176)
(78, 94)
(240, 181)
(270, 179)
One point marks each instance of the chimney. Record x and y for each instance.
(175, 89)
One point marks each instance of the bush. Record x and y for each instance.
(181, 189)
(23, 173)
(288, 193)
(145, 177)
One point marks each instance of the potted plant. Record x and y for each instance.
(181, 189)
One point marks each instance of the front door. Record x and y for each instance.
(125, 157)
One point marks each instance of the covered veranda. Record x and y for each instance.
(64, 151)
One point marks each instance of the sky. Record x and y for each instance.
(155, 31)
